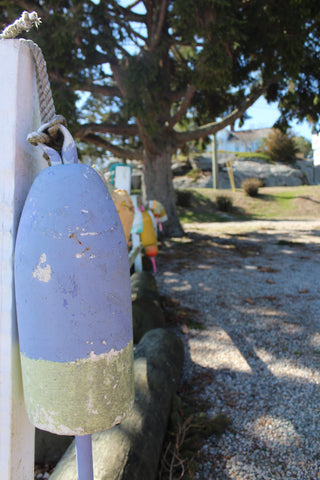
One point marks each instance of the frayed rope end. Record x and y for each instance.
(24, 23)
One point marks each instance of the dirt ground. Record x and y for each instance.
(253, 288)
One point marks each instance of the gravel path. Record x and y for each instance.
(256, 287)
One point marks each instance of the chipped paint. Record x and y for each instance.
(71, 398)
(81, 255)
(89, 233)
(42, 272)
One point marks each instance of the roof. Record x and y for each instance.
(251, 135)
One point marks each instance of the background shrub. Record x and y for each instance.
(224, 203)
(251, 186)
(281, 147)
(183, 198)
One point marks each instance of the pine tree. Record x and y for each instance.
(162, 73)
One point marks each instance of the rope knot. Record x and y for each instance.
(30, 19)
(24, 23)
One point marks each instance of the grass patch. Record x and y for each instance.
(302, 202)
(195, 173)
(250, 155)
(201, 207)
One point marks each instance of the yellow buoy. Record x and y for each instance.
(158, 212)
(149, 238)
(125, 208)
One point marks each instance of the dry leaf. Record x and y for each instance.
(267, 270)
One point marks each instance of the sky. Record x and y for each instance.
(265, 115)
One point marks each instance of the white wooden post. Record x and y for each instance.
(215, 168)
(19, 164)
(122, 177)
(316, 157)
(136, 240)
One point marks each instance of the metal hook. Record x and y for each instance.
(69, 150)
(53, 155)
(69, 153)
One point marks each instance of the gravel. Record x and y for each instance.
(256, 288)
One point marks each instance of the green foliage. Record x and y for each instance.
(166, 73)
(281, 147)
(223, 47)
(251, 186)
(304, 146)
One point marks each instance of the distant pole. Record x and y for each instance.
(230, 172)
(215, 172)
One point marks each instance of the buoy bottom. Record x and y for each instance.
(80, 397)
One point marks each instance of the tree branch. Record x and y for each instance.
(115, 149)
(129, 15)
(211, 128)
(118, 76)
(183, 107)
(162, 16)
(30, 6)
(89, 128)
(106, 90)
(99, 89)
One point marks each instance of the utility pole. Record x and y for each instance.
(215, 172)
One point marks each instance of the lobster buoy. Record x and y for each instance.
(158, 211)
(120, 175)
(73, 302)
(149, 238)
(125, 210)
(137, 225)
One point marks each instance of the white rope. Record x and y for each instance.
(24, 23)
(49, 120)
(47, 110)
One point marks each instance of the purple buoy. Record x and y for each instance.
(73, 301)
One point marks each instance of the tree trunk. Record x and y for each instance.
(157, 185)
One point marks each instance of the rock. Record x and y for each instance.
(181, 168)
(131, 450)
(204, 162)
(272, 175)
(146, 310)
(307, 168)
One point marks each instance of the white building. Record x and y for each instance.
(316, 149)
(241, 141)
